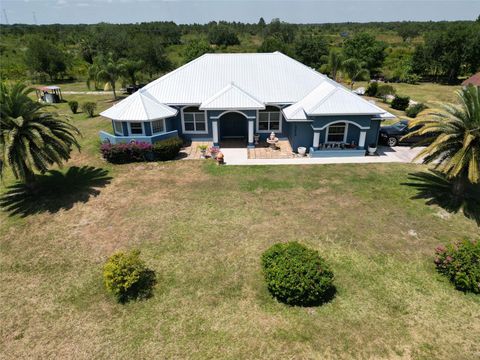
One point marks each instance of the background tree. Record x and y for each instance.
(281, 30)
(356, 70)
(44, 57)
(31, 139)
(449, 52)
(311, 49)
(195, 49)
(365, 48)
(272, 44)
(222, 35)
(150, 50)
(455, 150)
(407, 30)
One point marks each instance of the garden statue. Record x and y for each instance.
(272, 140)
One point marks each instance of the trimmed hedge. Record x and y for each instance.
(127, 277)
(141, 151)
(460, 262)
(400, 102)
(167, 149)
(297, 275)
(414, 110)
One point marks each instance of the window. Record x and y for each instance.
(336, 133)
(117, 126)
(158, 126)
(194, 120)
(136, 128)
(269, 120)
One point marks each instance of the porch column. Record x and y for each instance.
(361, 140)
(251, 124)
(316, 139)
(215, 132)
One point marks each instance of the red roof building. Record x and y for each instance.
(472, 80)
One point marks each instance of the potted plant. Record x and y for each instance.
(214, 151)
(203, 150)
(256, 138)
(372, 148)
(302, 150)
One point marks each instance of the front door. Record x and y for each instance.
(233, 126)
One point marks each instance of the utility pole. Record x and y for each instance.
(5, 16)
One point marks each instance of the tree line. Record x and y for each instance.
(397, 51)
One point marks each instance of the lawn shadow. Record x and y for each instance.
(436, 189)
(54, 191)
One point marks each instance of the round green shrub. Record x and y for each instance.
(372, 89)
(460, 262)
(400, 102)
(414, 110)
(297, 275)
(73, 106)
(127, 277)
(89, 108)
(384, 90)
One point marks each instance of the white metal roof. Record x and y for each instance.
(330, 98)
(243, 81)
(232, 97)
(139, 106)
(268, 77)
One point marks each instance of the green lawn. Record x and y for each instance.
(202, 228)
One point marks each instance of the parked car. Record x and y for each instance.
(391, 135)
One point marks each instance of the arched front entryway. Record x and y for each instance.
(233, 129)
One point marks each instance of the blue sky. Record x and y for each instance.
(202, 11)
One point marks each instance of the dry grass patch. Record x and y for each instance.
(202, 228)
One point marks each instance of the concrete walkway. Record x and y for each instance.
(397, 154)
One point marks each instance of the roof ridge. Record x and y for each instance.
(224, 90)
(329, 95)
(140, 95)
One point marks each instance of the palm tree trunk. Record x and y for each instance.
(458, 187)
(30, 181)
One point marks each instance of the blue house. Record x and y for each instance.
(220, 97)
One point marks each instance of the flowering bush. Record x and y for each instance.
(141, 151)
(297, 275)
(126, 152)
(460, 262)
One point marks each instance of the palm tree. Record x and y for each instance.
(31, 139)
(333, 63)
(130, 68)
(455, 149)
(355, 70)
(105, 69)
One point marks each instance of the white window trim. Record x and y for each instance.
(160, 132)
(280, 115)
(130, 128)
(344, 134)
(196, 112)
(118, 133)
